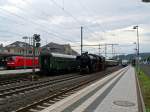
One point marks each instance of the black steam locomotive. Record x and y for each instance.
(88, 63)
(93, 63)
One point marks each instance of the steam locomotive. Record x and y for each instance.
(52, 62)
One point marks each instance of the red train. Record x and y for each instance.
(16, 62)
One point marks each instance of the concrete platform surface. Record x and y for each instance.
(18, 71)
(114, 93)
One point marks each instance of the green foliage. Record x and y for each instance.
(148, 59)
(145, 87)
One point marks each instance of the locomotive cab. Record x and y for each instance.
(11, 62)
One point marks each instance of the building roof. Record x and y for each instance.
(51, 47)
(59, 48)
(18, 44)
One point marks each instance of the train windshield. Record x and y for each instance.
(12, 58)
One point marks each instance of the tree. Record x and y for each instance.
(148, 59)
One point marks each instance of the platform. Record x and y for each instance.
(18, 71)
(114, 93)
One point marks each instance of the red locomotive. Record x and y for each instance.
(15, 62)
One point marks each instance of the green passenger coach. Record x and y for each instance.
(55, 62)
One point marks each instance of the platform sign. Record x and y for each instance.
(38, 44)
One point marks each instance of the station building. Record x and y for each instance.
(21, 48)
(59, 48)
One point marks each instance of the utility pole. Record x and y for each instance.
(105, 50)
(25, 51)
(81, 39)
(99, 49)
(105, 47)
(29, 40)
(138, 42)
(112, 50)
(33, 69)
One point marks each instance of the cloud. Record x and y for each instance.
(10, 8)
(103, 21)
(57, 20)
(13, 5)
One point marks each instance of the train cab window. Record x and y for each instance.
(11, 58)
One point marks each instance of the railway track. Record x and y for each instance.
(21, 95)
(48, 101)
(44, 103)
(28, 86)
(11, 79)
(8, 82)
(14, 96)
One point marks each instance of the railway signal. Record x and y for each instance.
(37, 39)
(36, 44)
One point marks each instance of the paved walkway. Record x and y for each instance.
(114, 93)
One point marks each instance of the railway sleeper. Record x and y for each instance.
(33, 110)
(37, 94)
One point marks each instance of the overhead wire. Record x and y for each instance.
(5, 31)
(33, 22)
(93, 11)
(48, 15)
(90, 11)
(40, 25)
(68, 13)
(74, 18)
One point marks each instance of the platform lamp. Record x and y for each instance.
(137, 30)
(25, 51)
(135, 49)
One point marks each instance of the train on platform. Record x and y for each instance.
(90, 63)
(56, 62)
(124, 63)
(85, 63)
(18, 62)
(110, 63)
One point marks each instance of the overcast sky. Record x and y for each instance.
(59, 21)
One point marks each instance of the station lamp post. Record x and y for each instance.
(137, 30)
(135, 57)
